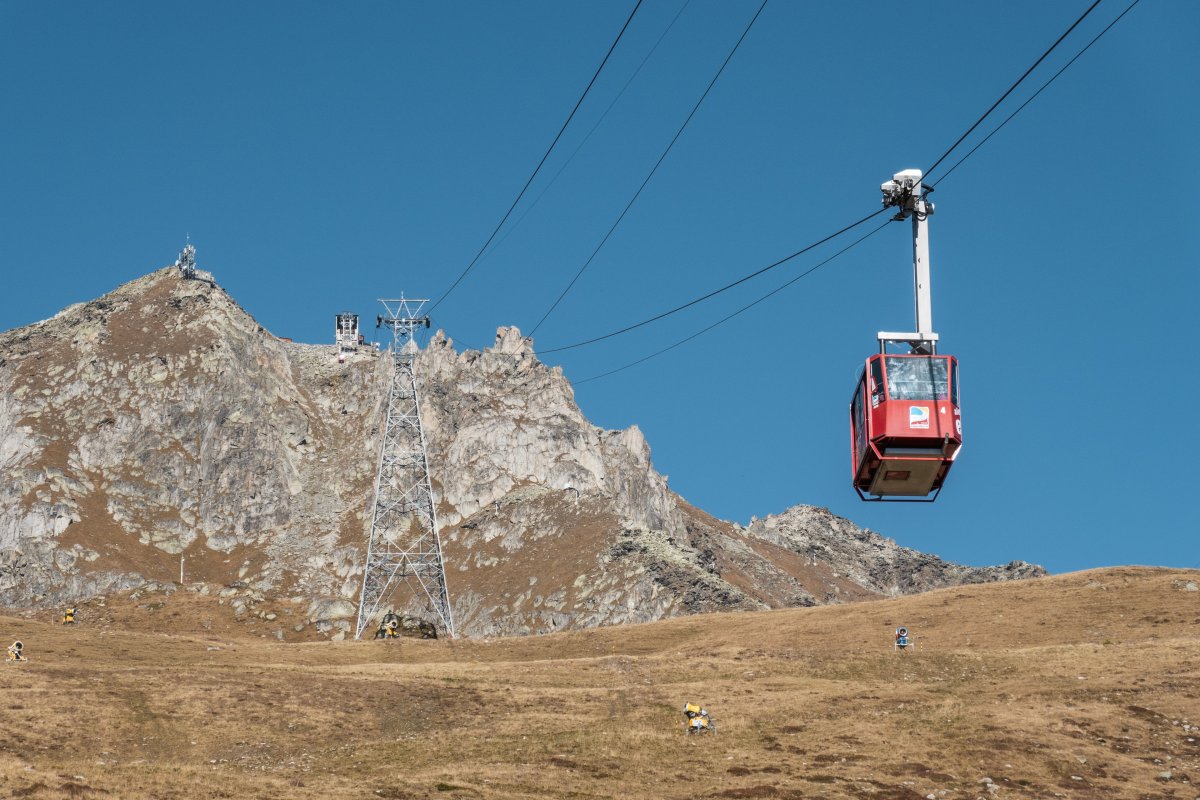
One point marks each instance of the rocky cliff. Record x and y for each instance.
(161, 427)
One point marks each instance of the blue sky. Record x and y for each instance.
(325, 155)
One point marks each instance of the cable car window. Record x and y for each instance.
(954, 385)
(918, 378)
(876, 382)
(860, 433)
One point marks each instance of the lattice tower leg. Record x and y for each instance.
(404, 545)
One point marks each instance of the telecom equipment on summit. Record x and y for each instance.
(186, 263)
(905, 424)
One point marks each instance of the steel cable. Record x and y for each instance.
(588, 135)
(715, 292)
(987, 113)
(744, 308)
(996, 130)
(545, 156)
(653, 170)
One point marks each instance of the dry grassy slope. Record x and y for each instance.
(1083, 685)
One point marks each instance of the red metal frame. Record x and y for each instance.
(902, 448)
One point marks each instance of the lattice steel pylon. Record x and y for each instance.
(404, 545)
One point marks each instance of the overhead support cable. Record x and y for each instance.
(545, 156)
(545, 188)
(715, 292)
(852, 225)
(843, 230)
(740, 311)
(653, 169)
(987, 113)
(996, 130)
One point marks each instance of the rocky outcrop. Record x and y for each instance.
(869, 560)
(534, 498)
(161, 423)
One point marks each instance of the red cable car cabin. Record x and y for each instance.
(905, 425)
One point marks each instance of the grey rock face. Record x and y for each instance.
(161, 422)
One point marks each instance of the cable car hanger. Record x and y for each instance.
(906, 193)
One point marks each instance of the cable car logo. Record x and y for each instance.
(918, 417)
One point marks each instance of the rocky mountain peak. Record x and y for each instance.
(510, 342)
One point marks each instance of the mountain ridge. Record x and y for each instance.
(162, 422)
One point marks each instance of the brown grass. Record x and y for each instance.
(1071, 686)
